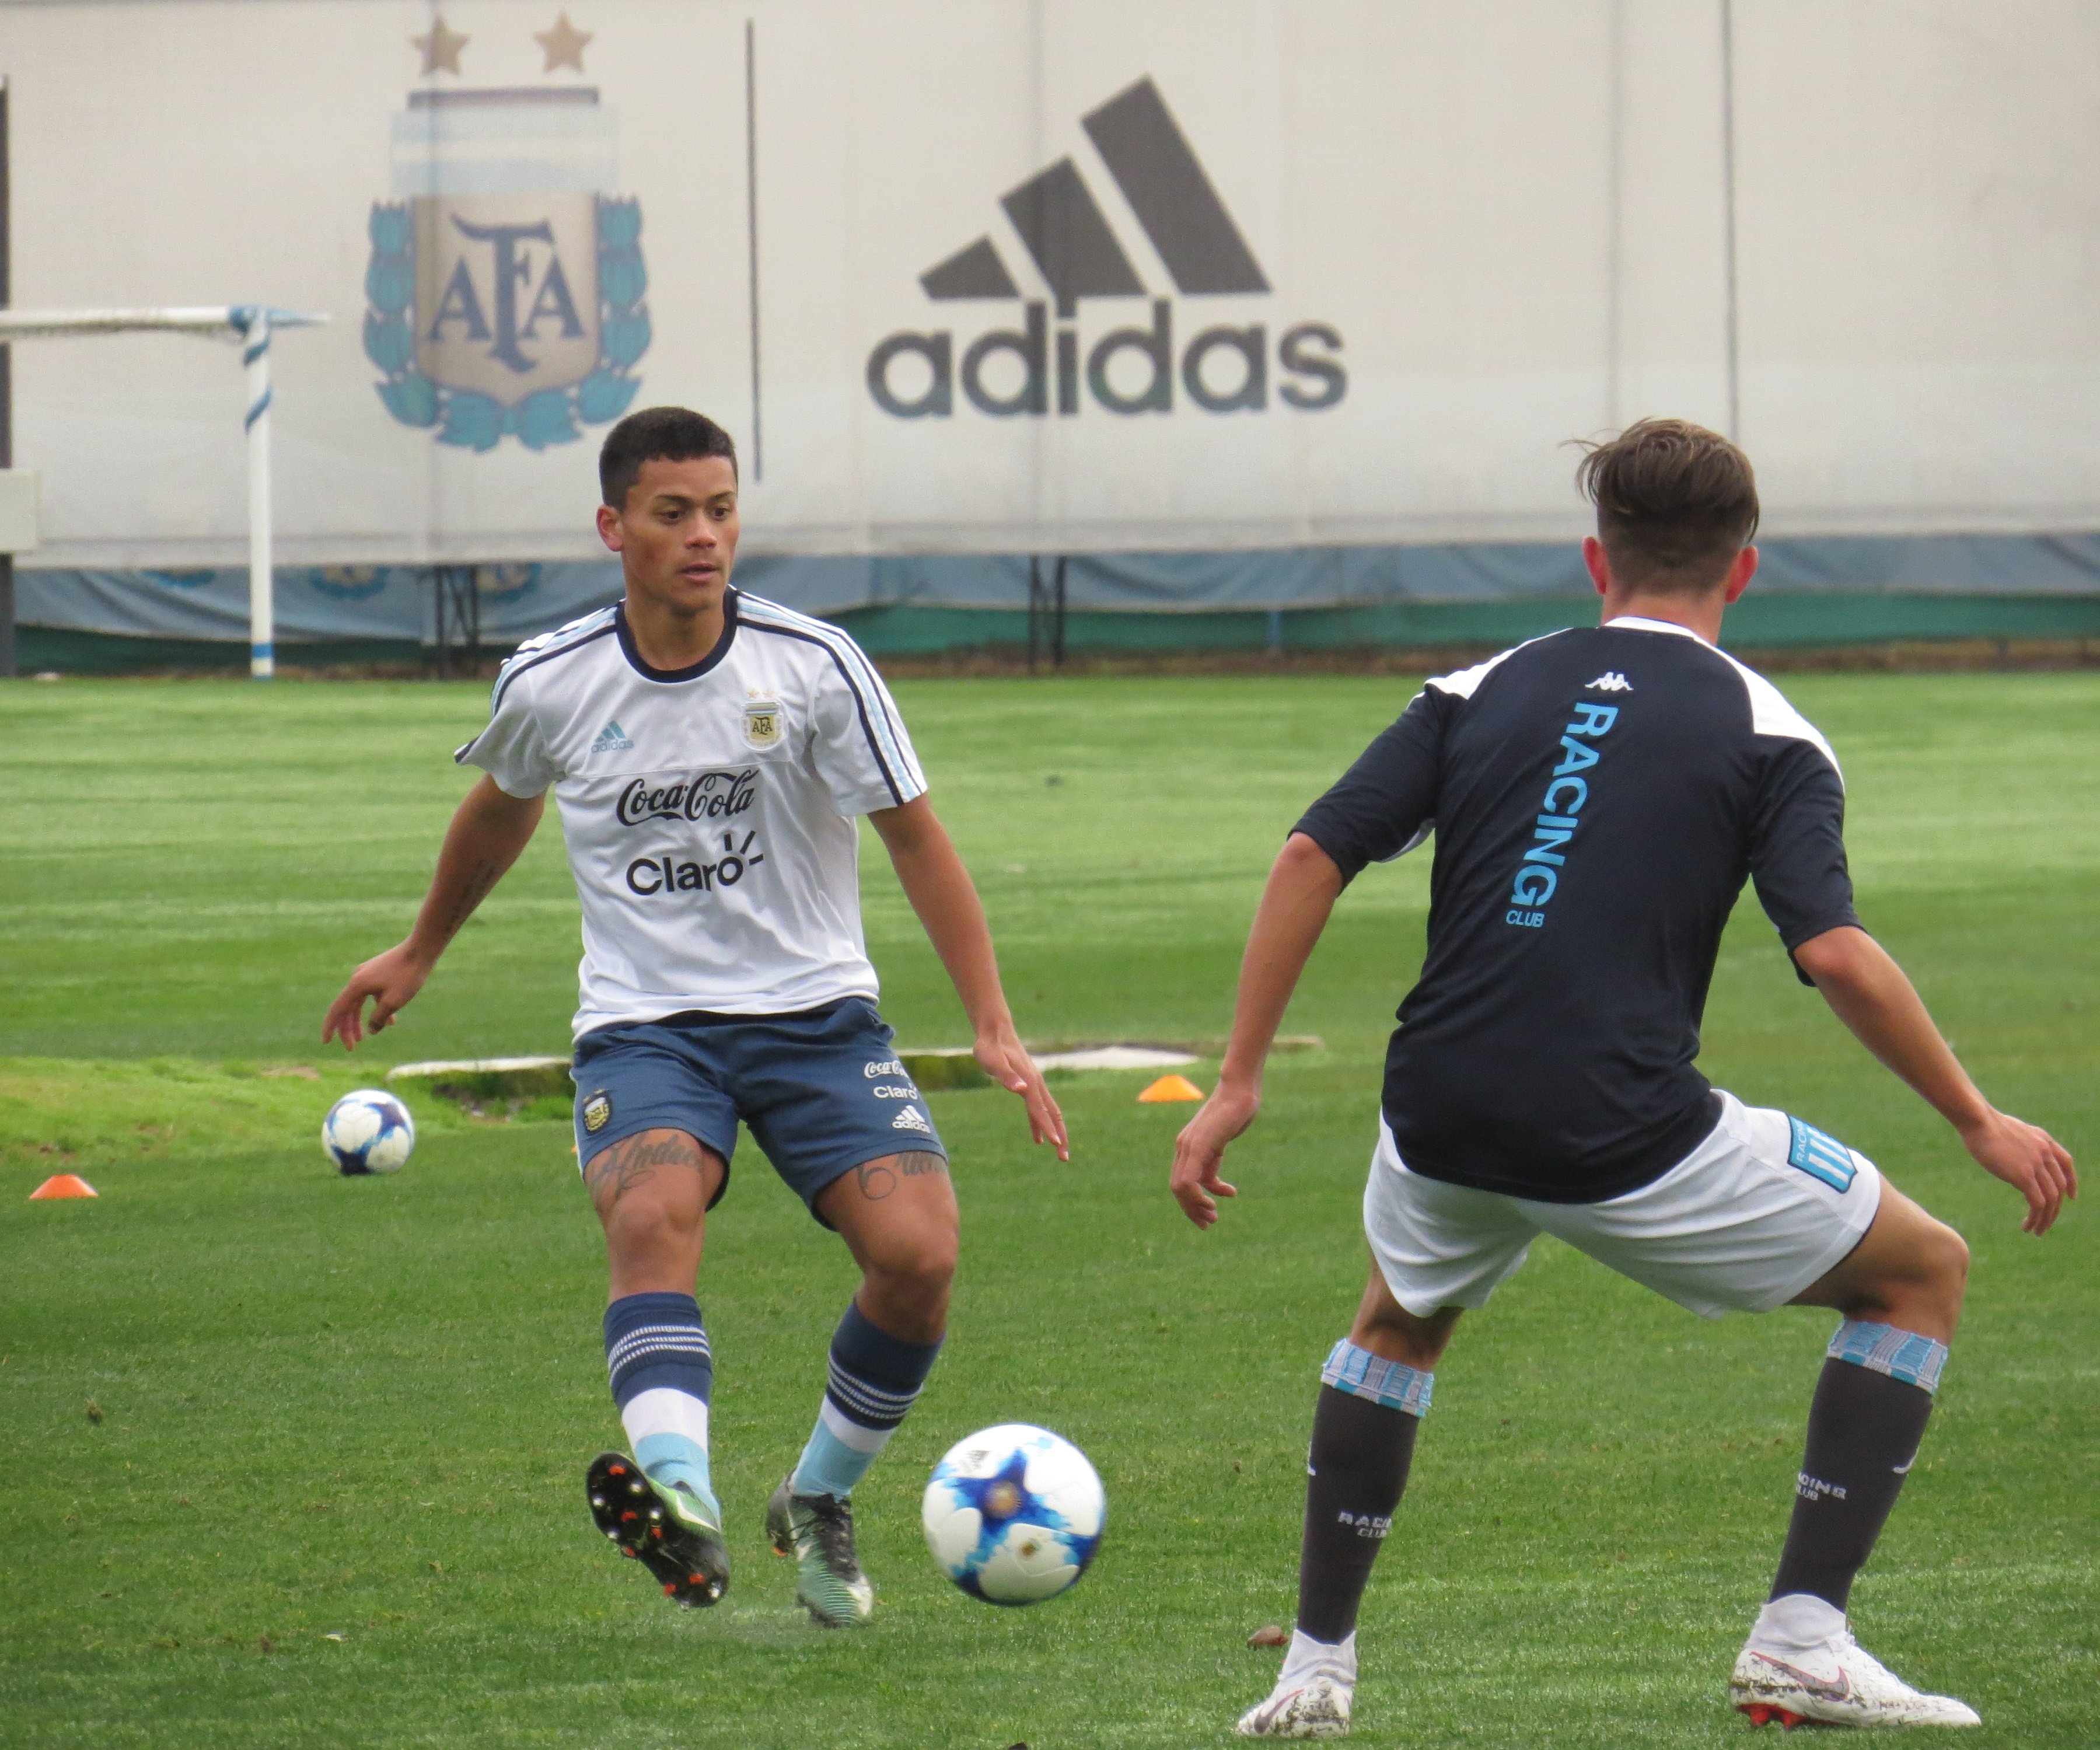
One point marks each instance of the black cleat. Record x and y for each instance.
(672, 1533)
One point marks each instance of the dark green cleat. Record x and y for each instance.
(817, 1530)
(672, 1533)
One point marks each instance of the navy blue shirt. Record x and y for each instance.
(1598, 799)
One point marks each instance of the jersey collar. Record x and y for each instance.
(711, 660)
(1639, 623)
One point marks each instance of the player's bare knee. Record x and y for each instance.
(1945, 1262)
(1393, 1333)
(918, 1268)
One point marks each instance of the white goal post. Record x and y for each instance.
(251, 325)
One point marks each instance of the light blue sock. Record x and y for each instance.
(662, 1372)
(875, 1378)
(677, 1461)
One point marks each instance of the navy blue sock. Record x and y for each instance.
(663, 1375)
(875, 1379)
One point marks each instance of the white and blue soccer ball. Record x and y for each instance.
(369, 1131)
(1013, 1514)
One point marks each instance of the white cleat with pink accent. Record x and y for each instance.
(1836, 1682)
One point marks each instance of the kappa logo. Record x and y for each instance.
(612, 738)
(1078, 253)
(1610, 682)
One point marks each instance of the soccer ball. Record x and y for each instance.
(369, 1131)
(1013, 1514)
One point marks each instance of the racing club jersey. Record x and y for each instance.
(1599, 798)
(709, 812)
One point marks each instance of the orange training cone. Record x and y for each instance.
(64, 1185)
(1170, 1088)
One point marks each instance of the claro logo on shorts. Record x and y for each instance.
(704, 796)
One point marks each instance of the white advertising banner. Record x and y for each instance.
(982, 276)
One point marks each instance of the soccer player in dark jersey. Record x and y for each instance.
(1599, 798)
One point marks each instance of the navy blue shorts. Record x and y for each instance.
(822, 1091)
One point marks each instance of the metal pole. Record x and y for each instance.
(255, 324)
(8, 659)
(1730, 317)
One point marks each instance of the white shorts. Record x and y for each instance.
(1763, 1207)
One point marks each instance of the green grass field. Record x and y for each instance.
(293, 1459)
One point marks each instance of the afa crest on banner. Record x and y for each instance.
(506, 284)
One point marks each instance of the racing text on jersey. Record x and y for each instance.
(1566, 792)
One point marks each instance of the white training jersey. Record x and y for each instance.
(709, 812)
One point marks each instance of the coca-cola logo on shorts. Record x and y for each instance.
(702, 795)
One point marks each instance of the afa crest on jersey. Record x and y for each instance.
(762, 725)
(505, 288)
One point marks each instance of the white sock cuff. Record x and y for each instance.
(1308, 1657)
(663, 1409)
(848, 1432)
(1795, 1623)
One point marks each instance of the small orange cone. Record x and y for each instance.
(1170, 1088)
(64, 1185)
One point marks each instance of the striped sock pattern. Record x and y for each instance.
(1902, 1355)
(1362, 1374)
(656, 1341)
(873, 1381)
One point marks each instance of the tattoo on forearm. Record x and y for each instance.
(634, 1161)
(878, 1178)
(485, 877)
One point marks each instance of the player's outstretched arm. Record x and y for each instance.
(1302, 887)
(931, 871)
(1868, 992)
(489, 830)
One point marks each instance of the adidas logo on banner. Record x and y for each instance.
(1077, 253)
(612, 738)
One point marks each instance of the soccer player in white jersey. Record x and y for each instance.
(1599, 798)
(710, 753)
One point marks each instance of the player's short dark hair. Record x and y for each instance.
(656, 434)
(1675, 503)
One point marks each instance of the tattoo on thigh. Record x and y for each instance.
(878, 1178)
(633, 1160)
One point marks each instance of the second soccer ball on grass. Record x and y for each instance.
(369, 1131)
(1014, 1513)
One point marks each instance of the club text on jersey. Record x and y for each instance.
(1566, 791)
(698, 795)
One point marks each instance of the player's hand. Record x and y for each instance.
(1003, 1057)
(1199, 1151)
(391, 979)
(2030, 1159)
